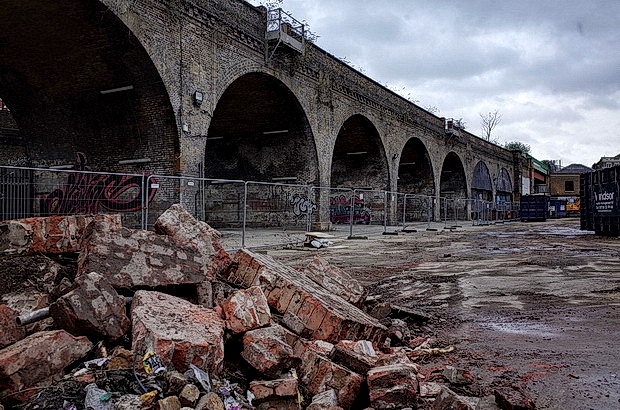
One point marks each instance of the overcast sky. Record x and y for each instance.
(550, 67)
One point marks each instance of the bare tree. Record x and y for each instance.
(489, 122)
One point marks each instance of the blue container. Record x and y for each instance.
(534, 208)
(557, 208)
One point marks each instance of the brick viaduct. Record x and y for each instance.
(116, 79)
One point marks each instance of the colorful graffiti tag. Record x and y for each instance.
(340, 210)
(89, 193)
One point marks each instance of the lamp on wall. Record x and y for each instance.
(198, 98)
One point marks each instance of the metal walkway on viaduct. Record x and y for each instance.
(213, 88)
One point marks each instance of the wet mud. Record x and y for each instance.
(536, 305)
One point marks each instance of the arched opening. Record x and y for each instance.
(415, 171)
(78, 81)
(503, 186)
(453, 183)
(12, 146)
(359, 158)
(481, 186)
(260, 132)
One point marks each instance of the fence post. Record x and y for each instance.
(245, 212)
(405, 211)
(351, 214)
(309, 219)
(145, 222)
(429, 207)
(385, 208)
(456, 212)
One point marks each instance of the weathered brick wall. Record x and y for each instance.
(557, 184)
(169, 50)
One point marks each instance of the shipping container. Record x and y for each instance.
(557, 208)
(600, 202)
(534, 207)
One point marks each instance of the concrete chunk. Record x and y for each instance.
(181, 332)
(92, 309)
(324, 315)
(267, 351)
(448, 399)
(51, 235)
(39, 357)
(336, 281)
(393, 386)
(246, 309)
(10, 332)
(179, 224)
(130, 258)
(318, 373)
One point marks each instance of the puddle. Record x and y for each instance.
(524, 329)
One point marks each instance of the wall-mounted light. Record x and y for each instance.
(275, 132)
(284, 179)
(117, 90)
(63, 166)
(198, 98)
(357, 153)
(134, 161)
(406, 163)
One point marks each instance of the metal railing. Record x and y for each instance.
(247, 213)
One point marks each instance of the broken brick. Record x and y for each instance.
(326, 400)
(317, 374)
(457, 376)
(92, 308)
(181, 332)
(189, 395)
(393, 386)
(169, 403)
(269, 389)
(51, 234)
(179, 224)
(326, 316)
(509, 398)
(11, 331)
(39, 357)
(130, 258)
(348, 354)
(246, 309)
(336, 281)
(210, 401)
(267, 351)
(429, 389)
(448, 399)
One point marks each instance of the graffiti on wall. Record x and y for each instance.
(340, 210)
(85, 193)
(277, 205)
(302, 206)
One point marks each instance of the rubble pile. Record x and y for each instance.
(98, 316)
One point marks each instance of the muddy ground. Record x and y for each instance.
(531, 304)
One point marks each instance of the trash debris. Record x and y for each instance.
(97, 399)
(152, 363)
(199, 375)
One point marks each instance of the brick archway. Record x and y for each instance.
(78, 80)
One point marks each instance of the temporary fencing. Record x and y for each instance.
(26, 192)
(247, 213)
(417, 212)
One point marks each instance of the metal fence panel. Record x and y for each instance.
(43, 192)
(277, 214)
(368, 212)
